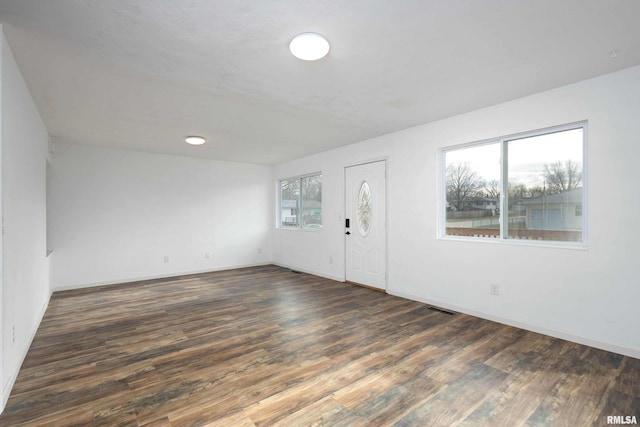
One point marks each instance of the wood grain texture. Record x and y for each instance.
(265, 346)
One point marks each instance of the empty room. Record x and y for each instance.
(293, 213)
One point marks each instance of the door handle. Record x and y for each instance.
(348, 233)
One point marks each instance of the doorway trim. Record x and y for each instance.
(386, 160)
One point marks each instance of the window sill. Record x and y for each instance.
(308, 229)
(518, 242)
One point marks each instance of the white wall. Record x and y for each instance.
(25, 284)
(590, 296)
(114, 215)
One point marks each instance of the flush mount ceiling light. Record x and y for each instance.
(309, 46)
(195, 140)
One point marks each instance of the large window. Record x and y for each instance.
(527, 187)
(301, 202)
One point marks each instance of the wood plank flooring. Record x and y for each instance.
(266, 346)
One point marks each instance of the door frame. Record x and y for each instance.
(386, 161)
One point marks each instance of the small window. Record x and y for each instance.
(301, 202)
(528, 187)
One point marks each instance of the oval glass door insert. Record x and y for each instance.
(364, 208)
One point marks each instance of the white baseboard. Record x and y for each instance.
(315, 273)
(8, 385)
(72, 286)
(614, 348)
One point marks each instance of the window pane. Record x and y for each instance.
(473, 191)
(545, 187)
(312, 201)
(289, 196)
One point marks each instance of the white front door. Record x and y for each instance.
(365, 224)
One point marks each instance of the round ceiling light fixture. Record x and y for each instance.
(309, 46)
(195, 140)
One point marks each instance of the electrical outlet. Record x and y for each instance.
(166, 259)
(207, 255)
(495, 289)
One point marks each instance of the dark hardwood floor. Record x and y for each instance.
(266, 346)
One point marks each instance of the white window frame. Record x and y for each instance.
(503, 142)
(299, 208)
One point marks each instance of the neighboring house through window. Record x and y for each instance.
(301, 202)
(526, 187)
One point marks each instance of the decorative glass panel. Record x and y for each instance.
(364, 208)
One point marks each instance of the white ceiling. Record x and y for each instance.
(142, 75)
